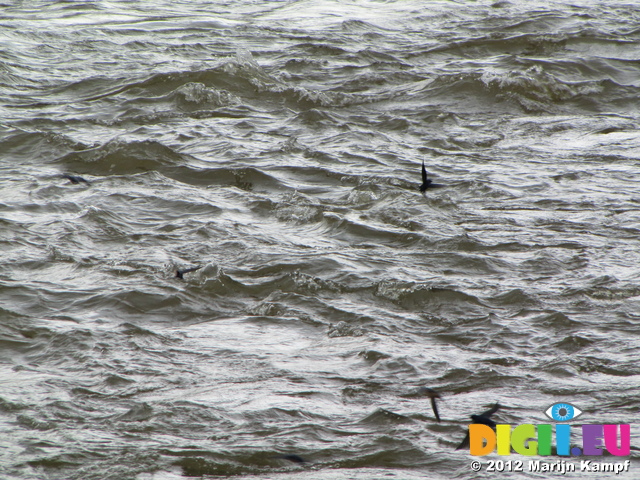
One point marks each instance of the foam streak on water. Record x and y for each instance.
(278, 145)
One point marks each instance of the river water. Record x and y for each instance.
(278, 146)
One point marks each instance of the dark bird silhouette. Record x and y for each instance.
(180, 273)
(292, 457)
(432, 394)
(425, 181)
(75, 179)
(485, 419)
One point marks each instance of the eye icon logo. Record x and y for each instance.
(562, 412)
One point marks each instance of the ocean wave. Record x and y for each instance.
(120, 157)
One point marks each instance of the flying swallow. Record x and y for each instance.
(485, 419)
(180, 273)
(425, 181)
(75, 179)
(432, 394)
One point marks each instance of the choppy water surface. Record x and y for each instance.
(278, 145)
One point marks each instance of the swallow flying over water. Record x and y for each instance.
(485, 419)
(75, 179)
(180, 273)
(425, 181)
(432, 394)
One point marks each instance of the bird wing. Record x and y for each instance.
(424, 173)
(464, 443)
(180, 273)
(491, 411)
(434, 406)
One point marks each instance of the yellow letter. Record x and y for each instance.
(503, 432)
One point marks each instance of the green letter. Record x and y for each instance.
(524, 434)
(544, 439)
